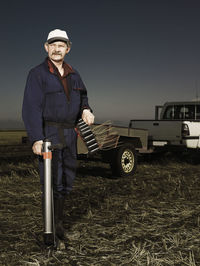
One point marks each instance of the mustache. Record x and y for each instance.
(56, 54)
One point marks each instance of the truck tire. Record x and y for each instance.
(124, 161)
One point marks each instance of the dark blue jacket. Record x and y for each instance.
(45, 100)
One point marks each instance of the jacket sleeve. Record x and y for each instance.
(84, 97)
(33, 106)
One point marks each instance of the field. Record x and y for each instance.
(151, 218)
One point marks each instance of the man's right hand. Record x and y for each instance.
(37, 147)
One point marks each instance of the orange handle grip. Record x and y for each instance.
(47, 155)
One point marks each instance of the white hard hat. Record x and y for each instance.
(57, 35)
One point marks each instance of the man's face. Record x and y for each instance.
(57, 50)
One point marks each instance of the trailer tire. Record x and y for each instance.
(124, 161)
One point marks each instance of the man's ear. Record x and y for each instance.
(68, 50)
(46, 47)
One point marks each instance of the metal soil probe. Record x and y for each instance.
(49, 228)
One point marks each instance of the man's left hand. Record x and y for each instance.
(88, 117)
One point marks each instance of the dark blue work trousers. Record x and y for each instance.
(64, 161)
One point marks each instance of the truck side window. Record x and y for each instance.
(179, 111)
(169, 112)
(189, 111)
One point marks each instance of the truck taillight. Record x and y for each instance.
(185, 130)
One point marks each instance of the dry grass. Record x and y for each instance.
(152, 218)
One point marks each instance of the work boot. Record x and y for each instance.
(58, 212)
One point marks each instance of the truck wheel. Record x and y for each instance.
(124, 161)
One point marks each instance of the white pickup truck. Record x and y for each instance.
(176, 125)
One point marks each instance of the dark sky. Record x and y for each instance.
(131, 54)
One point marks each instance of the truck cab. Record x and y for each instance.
(189, 113)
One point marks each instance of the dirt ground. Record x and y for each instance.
(151, 218)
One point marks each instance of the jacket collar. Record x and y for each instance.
(53, 69)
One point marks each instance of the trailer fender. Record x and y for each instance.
(135, 141)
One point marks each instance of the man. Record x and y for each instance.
(54, 99)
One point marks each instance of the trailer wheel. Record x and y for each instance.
(124, 161)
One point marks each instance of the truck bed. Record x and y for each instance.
(161, 130)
